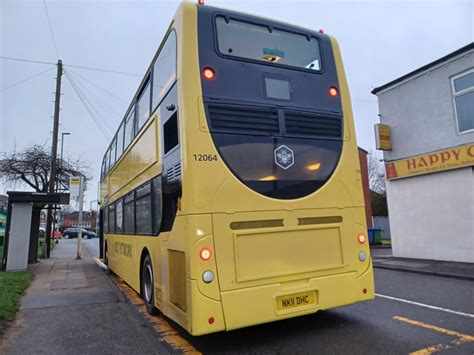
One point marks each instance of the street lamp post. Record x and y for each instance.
(62, 143)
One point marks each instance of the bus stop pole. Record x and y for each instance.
(81, 206)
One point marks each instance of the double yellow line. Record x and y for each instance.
(460, 338)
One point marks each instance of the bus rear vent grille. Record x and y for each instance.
(313, 124)
(235, 119)
(173, 172)
(319, 220)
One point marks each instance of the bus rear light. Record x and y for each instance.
(361, 238)
(208, 73)
(333, 91)
(362, 256)
(205, 254)
(201, 2)
(364, 290)
(208, 276)
(210, 320)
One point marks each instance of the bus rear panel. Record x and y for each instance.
(284, 191)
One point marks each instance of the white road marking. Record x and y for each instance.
(426, 305)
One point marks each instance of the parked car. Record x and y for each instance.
(56, 234)
(73, 233)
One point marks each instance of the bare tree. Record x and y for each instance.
(31, 167)
(376, 173)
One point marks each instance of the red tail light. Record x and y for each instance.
(205, 254)
(361, 238)
(208, 73)
(333, 91)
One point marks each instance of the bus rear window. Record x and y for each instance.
(263, 43)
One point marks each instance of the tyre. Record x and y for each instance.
(147, 283)
(85, 236)
(66, 236)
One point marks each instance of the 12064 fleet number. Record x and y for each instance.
(205, 157)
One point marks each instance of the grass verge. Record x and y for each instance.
(12, 286)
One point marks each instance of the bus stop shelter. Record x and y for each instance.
(22, 229)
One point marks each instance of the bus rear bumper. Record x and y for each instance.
(262, 304)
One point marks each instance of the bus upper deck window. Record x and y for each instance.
(269, 44)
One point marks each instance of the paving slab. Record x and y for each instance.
(72, 307)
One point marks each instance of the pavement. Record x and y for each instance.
(73, 307)
(383, 259)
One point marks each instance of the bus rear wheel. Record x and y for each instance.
(148, 292)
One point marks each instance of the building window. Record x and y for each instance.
(463, 95)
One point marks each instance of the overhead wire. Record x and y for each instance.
(26, 79)
(111, 94)
(71, 65)
(99, 120)
(88, 107)
(103, 70)
(26, 60)
(51, 28)
(95, 96)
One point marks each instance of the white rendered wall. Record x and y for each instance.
(432, 215)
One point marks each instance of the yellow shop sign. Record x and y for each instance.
(445, 159)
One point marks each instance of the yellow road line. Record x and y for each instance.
(461, 338)
(167, 333)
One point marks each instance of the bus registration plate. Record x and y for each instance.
(295, 300)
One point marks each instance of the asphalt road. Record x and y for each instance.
(412, 312)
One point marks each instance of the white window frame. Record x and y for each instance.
(459, 93)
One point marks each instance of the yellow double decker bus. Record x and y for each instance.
(231, 194)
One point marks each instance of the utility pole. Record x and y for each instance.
(54, 152)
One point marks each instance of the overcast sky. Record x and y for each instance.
(380, 41)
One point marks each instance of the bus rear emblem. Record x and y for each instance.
(284, 157)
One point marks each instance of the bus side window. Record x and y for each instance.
(129, 129)
(157, 202)
(106, 220)
(119, 216)
(143, 209)
(170, 133)
(112, 218)
(129, 214)
(164, 70)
